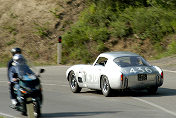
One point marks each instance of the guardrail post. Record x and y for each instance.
(59, 50)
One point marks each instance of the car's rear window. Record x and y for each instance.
(128, 61)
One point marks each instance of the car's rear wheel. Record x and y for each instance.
(73, 83)
(105, 86)
(152, 90)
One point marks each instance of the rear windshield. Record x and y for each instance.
(128, 61)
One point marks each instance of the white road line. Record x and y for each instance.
(7, 115)
(64, 85)
(48, 84)
(155, 105)
(170, 71)
(55, 84)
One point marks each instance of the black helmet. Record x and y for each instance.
(16, 51)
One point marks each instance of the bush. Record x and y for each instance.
(4, 60)
(42, 30)
(145, 22)
(76, 42)
(11, 29)
(120, 19)
(119, 29)
(168, 4)
(172, 47)
(11, 42)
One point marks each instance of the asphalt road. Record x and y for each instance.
(60, 102)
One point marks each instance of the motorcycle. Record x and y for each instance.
(28, 90)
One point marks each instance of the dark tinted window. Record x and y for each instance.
(101, 61)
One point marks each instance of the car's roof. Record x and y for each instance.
(113, 55)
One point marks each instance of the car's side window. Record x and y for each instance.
(101, 61)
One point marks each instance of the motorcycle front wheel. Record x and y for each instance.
(37, 112)
(24, 109)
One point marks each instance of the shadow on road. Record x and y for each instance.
(75, 114)
(139, 93)
(160, 92)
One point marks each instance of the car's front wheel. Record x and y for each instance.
(105, 86)
(73, 83)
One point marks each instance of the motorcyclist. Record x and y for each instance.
(13, 51)
(18, 59)
(11, 84)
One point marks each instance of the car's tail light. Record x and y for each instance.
(121, 77)
(162, 76)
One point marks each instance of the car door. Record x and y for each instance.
(95, 72)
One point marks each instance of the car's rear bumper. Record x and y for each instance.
(133, 82)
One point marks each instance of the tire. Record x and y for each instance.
(105, 87)
(37, 112)
(73, 83)
(152, 90)
(24, 113)
(24, 109)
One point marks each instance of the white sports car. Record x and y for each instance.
(115, 70)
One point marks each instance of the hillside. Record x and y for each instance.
(88, 27)
(34, 25)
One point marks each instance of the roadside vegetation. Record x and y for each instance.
(88, 28)
(107, 22)
(34, 27)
